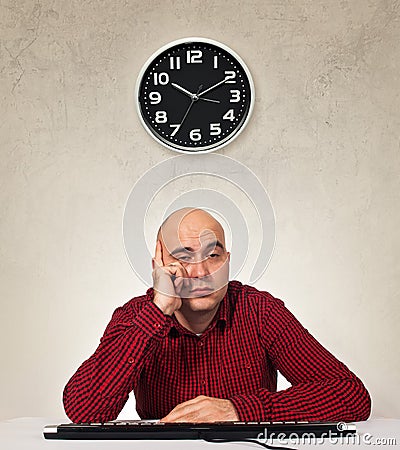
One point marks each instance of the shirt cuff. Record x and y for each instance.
(152, 321)
(250, 408)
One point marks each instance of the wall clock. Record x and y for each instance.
(194, 95)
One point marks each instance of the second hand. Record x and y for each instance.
(194, 99)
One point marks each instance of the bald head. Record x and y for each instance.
(190, 223)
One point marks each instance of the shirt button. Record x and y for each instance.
(201, 343)
(131, 360)
(203, 382)
(248, 366)
(156, 325)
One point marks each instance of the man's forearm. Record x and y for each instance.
(336, 399)
(101, 385)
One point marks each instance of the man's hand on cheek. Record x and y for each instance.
(203, 409)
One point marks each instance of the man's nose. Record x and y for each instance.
(197, 269)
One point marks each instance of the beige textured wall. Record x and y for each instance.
(323, 139)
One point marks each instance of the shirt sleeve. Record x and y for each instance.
(323, 388)
(99, 389)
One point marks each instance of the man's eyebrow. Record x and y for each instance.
(215, 244)
(190, 249)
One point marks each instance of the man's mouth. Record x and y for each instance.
(201, 292)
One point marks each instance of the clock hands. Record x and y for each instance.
(213, 87)
(186, 113)
(209, 100)
(180, 88)
(194, 97)
(197, 96)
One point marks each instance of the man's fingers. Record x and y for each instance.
(175, 269)
(183, 406)
(181, 414)
(180, 271)
(203, 409)
(185, 409)
(178, 283)
(158, 254)
(169, 279)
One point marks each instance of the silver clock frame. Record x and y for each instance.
(212, 147)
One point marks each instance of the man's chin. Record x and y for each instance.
(203, 302)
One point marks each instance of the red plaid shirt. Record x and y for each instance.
(251, 337)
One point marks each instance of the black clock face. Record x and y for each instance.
(195, 96)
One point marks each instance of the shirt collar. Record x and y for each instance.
(222, 316)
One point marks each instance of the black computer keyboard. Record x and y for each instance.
(154, 430)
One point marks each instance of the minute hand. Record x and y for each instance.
(212, 87)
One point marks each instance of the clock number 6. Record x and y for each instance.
(195, 134)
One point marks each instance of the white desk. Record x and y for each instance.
(27, 434)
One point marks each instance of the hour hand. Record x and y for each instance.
(209, 100)
(180, 88)
(194, 97)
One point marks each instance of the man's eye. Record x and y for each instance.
(183, 258)
(214, 255)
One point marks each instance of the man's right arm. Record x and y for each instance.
(99, 389)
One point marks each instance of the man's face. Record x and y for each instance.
(196, 240)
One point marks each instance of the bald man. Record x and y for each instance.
(198, 348)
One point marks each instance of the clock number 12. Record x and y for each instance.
(194, 56)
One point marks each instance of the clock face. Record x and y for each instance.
(195, 95)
